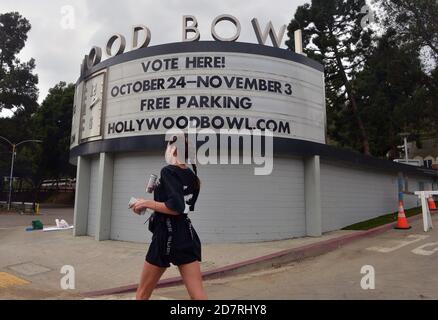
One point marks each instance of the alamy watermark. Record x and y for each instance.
(368, 281)
(67, 282)
(368, 18)
(68, 17)
(243, 146)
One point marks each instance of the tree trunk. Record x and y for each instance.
(354, 108)
(364, 136)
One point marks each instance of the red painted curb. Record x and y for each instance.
(297, 254)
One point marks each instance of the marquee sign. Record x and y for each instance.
(209, 84)
(189, 27)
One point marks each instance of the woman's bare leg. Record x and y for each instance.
(149, 278)
(191, 275)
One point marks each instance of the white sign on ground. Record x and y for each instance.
(427, 219)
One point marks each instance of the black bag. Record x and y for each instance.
(152, 222)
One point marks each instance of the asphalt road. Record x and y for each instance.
(404, 263)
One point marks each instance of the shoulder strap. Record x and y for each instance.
(195, 195)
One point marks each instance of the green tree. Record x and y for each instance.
(415, 26)
(18, 84)
(333, 35)
(51, 123)
(15, 129)
(393, 94)
(415, 21)
(432, 103)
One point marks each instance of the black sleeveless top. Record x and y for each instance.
(177, 189)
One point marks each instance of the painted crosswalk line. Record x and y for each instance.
(393, 245)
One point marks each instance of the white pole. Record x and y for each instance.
(14, 147)
(298, 37)
(11, 175)
(406, 149)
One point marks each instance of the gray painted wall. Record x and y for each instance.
(131, 172)
(92, 201)
(415, 183)
(351, 195)
(234, 205)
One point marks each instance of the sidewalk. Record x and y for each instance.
(112, 267)
(38, 257)
(47, 217)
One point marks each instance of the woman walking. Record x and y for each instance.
(174, 239)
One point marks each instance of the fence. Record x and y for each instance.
(43, 195)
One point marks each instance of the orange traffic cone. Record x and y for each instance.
(431, 203)
(402, 222)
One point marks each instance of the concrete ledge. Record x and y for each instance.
(263, 262)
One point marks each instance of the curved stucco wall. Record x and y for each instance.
(234, 205)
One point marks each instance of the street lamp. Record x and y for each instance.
(404, 147)
(14, 147)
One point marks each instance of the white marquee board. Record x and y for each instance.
(147, 96)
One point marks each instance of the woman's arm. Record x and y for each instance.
(141, 204)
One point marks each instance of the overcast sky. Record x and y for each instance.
(58, 51)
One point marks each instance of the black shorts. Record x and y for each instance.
(174, 240)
